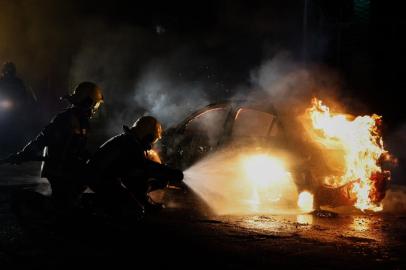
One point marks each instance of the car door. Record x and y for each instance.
(252, 126)
(197, 136)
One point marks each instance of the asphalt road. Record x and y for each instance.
(188, 235)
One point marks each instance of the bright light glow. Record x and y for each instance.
(269, 182)
(304, 219)
(6, 104)
(153, 155)
(97, 105)
(264, 170)
(305, 201)
(244, 181)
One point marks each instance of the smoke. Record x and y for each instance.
(290, 84)
(395, 144)
(281, 77)
(112, 58)
(57, 45)
(143, 69)
(141, 74)
(134, 86)
(162, 93)
(395, 200)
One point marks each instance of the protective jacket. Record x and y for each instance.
(123, 160)
(63, 143)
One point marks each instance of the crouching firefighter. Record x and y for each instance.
(61, 145)
(124, 174)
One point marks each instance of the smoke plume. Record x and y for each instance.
(163, 94)
(395, 200)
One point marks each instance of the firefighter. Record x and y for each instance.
(123, 173)
(12, 86)
(15, 103)
(61, 144)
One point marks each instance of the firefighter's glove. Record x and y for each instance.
(177, 176)
(175, 179)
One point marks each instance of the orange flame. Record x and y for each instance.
(360, 145)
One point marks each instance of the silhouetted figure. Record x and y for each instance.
(15, 106)
(124, 174)
(62, 146)
(12, 88)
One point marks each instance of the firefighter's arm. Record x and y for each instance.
(33, 150)
(163, 173)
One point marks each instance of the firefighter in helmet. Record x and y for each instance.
(124, 174)
(13, 91)
(62, 146)
(15, 103)
(10, 84)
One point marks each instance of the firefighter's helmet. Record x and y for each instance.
(147, 129)
(86, 94)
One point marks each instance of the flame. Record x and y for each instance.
(360, 147)
(153, 155)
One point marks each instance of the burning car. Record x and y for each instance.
(271, 162)
(218, 125)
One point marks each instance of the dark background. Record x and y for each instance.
(216, 44)
(362, 39)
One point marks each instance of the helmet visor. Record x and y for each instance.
(158, 133)
(96, 106)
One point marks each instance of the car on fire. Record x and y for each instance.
(237, 124)
(218, 125)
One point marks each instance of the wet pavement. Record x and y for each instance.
(188, 235)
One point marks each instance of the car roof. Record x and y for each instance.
(260, 105)
(235, 104)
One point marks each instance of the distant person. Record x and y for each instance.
(13, 91)
(16, 108)
(123, 173)
(62, 146)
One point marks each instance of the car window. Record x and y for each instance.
(208, 124)
(255, 123)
